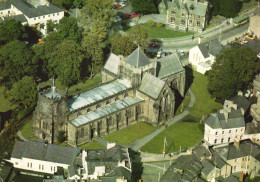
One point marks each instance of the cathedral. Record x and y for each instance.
(133, 89)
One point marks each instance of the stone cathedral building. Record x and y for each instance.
(133, 89)
(186, 15)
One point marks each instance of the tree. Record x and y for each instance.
(145, 6)
(12, 30)
(233, 70)
(122, 45)
(24, 92)
(16, 61)
(65, 60)
(68, 29)
(67, 4)
(50, 26)
(229, 9)
(140, 36)
(61, 136)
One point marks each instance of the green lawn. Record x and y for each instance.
(248, 5)
(130, 134)
(5, 105)
(26, 128)
(155, 32)
(183, 105)
(183, 134)
(91, 145)
(204, 103)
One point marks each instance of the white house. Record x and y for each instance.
(202, 56)
(35, 14)
(43, 158)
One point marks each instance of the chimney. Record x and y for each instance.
(236, 143)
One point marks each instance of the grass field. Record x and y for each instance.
(5, 105)
(26, 128)
(130, 134)
(155, 32)
(91, 145)
(180, 135)
(183, 105)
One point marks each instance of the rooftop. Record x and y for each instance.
(45, 152)
(104, 111)
(212, 47)
(137, 58)
(112, 63)
(97, 94)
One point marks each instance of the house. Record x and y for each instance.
(186, 15)
(34, 13)
(202, 56)
(254, 23)
(134, 88)
(47, 159)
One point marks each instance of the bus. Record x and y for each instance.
(241, 20)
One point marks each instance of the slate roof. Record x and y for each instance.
(208, 167)
(104, 111)
(212, 47)
(190, 169)
(169, 65)
(201, 151)
(20, 18)
(231, 178)
(246, 148)
(5, 5)
(235, 120)
(97, 94)
(252, 129)
(5, 170)
(151, 85)
(112, 63)
(31, 11)
(45, 152)
(200, 9)
(120, 172)
(241, 101)
(137, 58)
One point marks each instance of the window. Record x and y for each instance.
(198, 23)
(42, 167)
(107, 102)
(28, 164)
(31, 165)
(229, 131)
(241, 129)
(53, 14)
(223, 132)
(172, 20)
(51, 168)
(34, 18)
(215, 141)
(49, 15)
(43, 16)
(16, 163)
(57, 13)
(236, 130)
(39, 17)
(235, 160)
(235, 168)
(216, 133)
(82, 132)
(222, 140)
(229, 139)
(248, 158)
(39, 166)
(172, 12)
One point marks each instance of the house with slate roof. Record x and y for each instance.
(31, 13)
(202, 56)
(186, 15)
(134, 88)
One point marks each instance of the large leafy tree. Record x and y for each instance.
(122, 45)
(68, 29)
(16, 61)
(65, 60)
(139, 36)
(24, 92)
(97, 17)
(145, 6)
(12, 30)
(229, 9)
(233, 70)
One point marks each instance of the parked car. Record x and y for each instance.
(131, 15)
(154, 45)
(123, 3)
(119, 6)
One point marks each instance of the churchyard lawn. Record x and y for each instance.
(130, 134)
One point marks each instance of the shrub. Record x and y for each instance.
(160, 25)
(151, 23)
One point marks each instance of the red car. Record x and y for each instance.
(154, 45)
(118, 6)
(131, 15)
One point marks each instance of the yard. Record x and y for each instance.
(178, 136)
(26, 128)
(131, 133)
(161, 32)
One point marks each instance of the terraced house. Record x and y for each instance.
(133, 89)
(186, 15)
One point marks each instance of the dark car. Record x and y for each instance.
(154, 45)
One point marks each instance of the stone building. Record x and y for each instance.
(186, 15)
(133, 89)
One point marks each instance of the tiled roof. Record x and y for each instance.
(151, 85)
(112, 63)
(212, 47)
(137, 58)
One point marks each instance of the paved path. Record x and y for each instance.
(20, 135)
(136, 145)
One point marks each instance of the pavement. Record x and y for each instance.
(20, 135)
